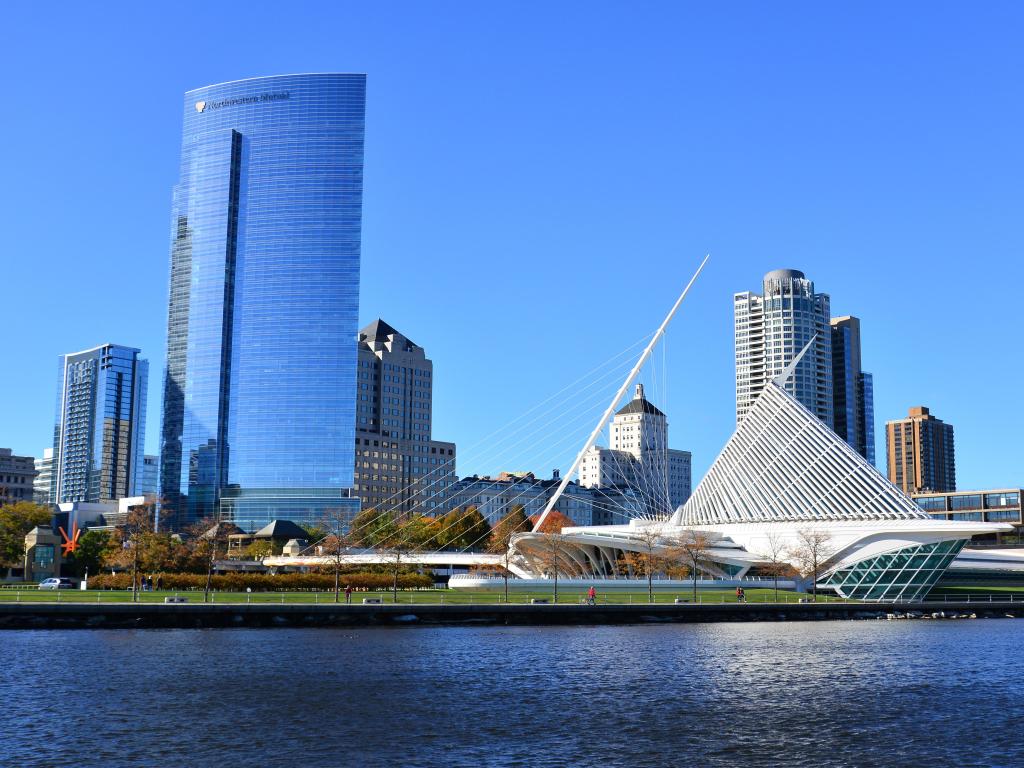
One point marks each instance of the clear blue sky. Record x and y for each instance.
(541, 180)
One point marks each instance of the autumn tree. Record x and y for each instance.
(336, 543)
(134, 535)
(650, 557)
(500, 542)
(407, 539)
(208, 540)
(16, 520)
(551, 554)
(693, 547)
(812, 549)
(462, 529)
(370, 527)
(551, 550)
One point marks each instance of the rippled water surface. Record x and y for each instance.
(910, 693)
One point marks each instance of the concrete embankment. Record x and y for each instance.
(156, 616)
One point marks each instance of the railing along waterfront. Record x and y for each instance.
(459, 597)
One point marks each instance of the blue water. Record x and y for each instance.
(909, 693)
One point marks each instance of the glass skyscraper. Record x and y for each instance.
(852, 389)
(259, 405)
(99, 430)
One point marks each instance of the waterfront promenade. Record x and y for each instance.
(71, 615)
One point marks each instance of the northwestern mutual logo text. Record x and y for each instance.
(205, 106)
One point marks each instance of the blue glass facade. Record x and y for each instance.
(259, 418)
(99, 430)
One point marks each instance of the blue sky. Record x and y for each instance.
(542, 179)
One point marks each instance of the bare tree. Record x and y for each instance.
(408, 539)
(774, 555)
(336, 543)
(501, 539)
(207, 539)
(812, 549)
(551, 557)
(692, 547)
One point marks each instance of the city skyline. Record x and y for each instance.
(915, 233)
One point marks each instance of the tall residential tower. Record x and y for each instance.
(771, 329)
(99, 430)
(259, 417)
(920, 453)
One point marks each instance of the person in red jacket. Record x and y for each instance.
(592, 595)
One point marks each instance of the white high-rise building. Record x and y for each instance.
(639, 458)
(771, 329)
(42, 487)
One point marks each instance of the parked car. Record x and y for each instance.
(59, 582)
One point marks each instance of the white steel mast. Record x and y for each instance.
(615, 400)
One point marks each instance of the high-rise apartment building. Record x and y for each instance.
(17, 475)
(99, 431)
(639, 459)
(42, 487)
(920, 453)
(259, 417)
(771, 329)
(852, 389)
(400, 468)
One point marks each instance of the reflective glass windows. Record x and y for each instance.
(264, 299)
(905, 574)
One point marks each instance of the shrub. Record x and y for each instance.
(265, 582)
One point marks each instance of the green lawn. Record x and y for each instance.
(446, 596)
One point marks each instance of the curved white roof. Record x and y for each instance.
(784, 464)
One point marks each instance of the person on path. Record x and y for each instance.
(739, 594)
(348, 593)
(592, 595)
(159, 582)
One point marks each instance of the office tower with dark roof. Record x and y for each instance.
(400, 469)
(258, 419)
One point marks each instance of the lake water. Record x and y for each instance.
(908, 693)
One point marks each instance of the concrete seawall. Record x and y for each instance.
(221, 615)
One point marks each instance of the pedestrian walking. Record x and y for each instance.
(159, 582)
(348, 594)
(592, 595)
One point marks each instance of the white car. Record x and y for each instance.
(59, 582)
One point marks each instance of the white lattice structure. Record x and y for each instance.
(784, 465)
(784, 476)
